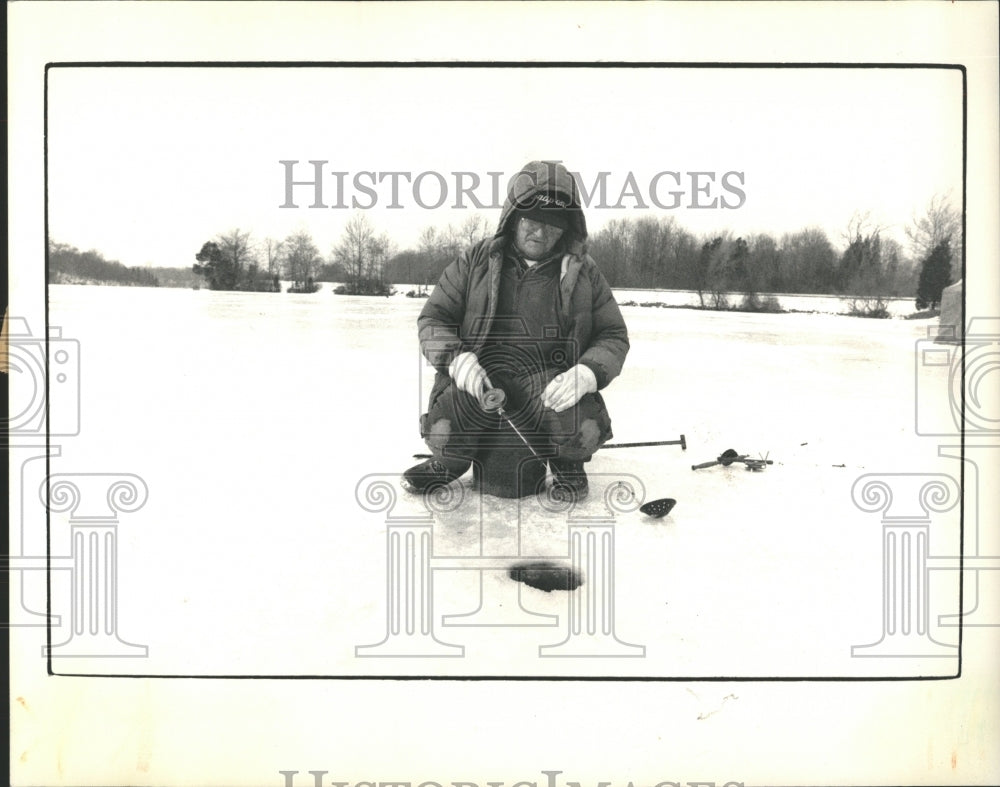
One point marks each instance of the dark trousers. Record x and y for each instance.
(455, 425)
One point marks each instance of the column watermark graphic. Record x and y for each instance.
(93, 503)
(413, 622)
(45, 381)
(906, 502)
(966, 364)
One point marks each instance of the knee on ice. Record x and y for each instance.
(439, 434)
(583, 444)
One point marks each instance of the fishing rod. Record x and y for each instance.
(494, 399)
(493, 402)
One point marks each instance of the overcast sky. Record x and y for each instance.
(146, 164)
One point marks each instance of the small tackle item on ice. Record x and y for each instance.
(682, 442)
(729, 456)
(658, 508)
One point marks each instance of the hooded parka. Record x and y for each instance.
(460, 314)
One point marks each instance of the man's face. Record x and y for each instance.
(534, 239)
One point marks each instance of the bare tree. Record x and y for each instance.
(451, 241)
(646, 248)
(809, 261)
(238, 249)
(474, 228)
(272, 250)
(861, 267)
(427, 244)
(355, 246)
(940, 222)
(365, 256)
(380, 249)
(613, 247)
(765, 263)
(861, 225)
(427, 251)
(302, 260)
(897, 269)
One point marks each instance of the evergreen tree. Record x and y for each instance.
(935, 275)
(220, 271)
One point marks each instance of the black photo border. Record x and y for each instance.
(372, 64)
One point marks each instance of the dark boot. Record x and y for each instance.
(433, 472)
(569, 479)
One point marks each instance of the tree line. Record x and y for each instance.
(643, 253)
(657, 253)
(234, 261)
(364, 261)
(69, 265)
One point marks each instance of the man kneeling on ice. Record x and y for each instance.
(527, 312)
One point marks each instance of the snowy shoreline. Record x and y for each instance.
(899, 308)
(788, 302)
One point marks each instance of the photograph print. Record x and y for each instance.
(612, 372)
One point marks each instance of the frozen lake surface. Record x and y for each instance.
(823, 304)
(260, 422)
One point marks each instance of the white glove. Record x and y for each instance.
(568, 388)
(468, 375)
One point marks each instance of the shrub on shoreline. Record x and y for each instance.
(365, 287)
(304, 288)
(767, 305)
(874, 307)
(752, 302)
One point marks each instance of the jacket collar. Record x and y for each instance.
(569, 272)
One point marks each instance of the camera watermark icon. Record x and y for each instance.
(521, 366)
(92, 502)
(981, 545)
(45, 403)
(44, 380)
(26, 562)
(952, 377)
(958, 395)
(906, 502)
(412, 627)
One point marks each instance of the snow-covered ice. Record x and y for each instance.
(253, 418)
